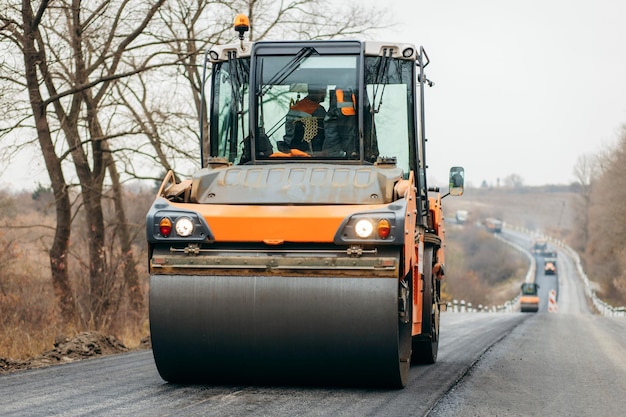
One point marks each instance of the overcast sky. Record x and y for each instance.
(521, 87)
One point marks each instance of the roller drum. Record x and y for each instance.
(273, 329)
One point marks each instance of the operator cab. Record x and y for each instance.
(261, 113)
(530, 288)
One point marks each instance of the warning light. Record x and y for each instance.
(384, 228)
(242, 24)
(165, 227)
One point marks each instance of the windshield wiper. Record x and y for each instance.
(237, 73)
(382, 78)
(288, 69)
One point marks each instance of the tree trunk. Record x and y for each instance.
(131, 277)
(59, 250)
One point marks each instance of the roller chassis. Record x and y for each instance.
(210, 264)
(311, 269)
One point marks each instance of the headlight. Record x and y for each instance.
(167, 223)
(385, 226)
(363, 228)
(184, 227)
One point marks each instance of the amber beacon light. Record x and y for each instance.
(242, 24)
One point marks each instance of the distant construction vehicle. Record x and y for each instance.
(539, 247)
(529, 300)
(461, 216)
(493, 225)
(549, 266)
(306, 249)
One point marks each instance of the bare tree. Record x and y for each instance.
(95, 67)
(585, 171)
(72, 57)
(26, 35)
(513, 181)
(604, 253)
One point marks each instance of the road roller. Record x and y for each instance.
(529, 299)
(307, 248)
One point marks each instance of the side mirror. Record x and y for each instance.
(457, 180)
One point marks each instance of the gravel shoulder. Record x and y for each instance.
(82, 346)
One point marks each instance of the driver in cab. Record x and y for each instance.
(304, 123)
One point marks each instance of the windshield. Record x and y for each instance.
(529, 289)
(308, 107)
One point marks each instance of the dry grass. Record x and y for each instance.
(549, 210)
(479, 268)
(29, 314)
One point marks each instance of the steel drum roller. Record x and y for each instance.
(234, 329)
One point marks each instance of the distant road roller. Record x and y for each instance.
(529, 300)
(308, 248)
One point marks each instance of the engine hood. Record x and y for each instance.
(295, 184)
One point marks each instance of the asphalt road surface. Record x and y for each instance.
(565, 363)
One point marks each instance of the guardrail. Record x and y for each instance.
(509, 306)
(461, 306)
(601, 306)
